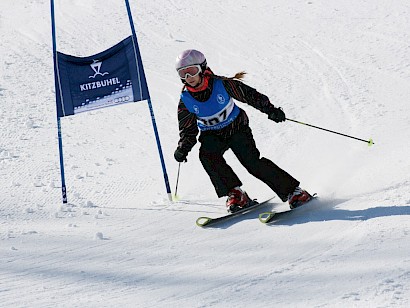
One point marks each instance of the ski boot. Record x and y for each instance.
(298, 198)
(237, 200)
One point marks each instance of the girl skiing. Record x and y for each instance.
(207, 105)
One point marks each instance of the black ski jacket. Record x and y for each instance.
(188, 129)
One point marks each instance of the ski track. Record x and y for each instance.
(119, 241)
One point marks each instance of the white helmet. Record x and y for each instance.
(191, 57)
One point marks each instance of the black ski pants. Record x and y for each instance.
(243, 146)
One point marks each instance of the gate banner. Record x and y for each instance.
(112, 77)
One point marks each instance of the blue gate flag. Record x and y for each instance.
(112, 77)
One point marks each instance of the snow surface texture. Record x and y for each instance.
(342, 65)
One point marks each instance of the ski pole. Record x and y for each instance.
(176, 198)
(369, 142)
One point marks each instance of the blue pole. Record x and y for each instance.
(60, 139)
(161, 156)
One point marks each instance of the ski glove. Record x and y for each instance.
(180, 155)
(277, 115)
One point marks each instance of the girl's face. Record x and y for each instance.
(193, 81)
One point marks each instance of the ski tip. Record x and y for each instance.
(203, 221)
(266, 217)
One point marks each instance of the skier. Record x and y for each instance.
(207, 104)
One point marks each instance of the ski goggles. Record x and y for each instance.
(191, 71)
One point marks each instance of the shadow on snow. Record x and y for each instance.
(321, 210)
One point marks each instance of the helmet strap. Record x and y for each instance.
(200, 81)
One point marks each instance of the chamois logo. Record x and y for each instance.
(96, 66)
(220, 99)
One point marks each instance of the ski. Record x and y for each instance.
(271, 216)
(209, 221)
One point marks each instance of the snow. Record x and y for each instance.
(341, 65)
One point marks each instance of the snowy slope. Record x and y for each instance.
(343, 65)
